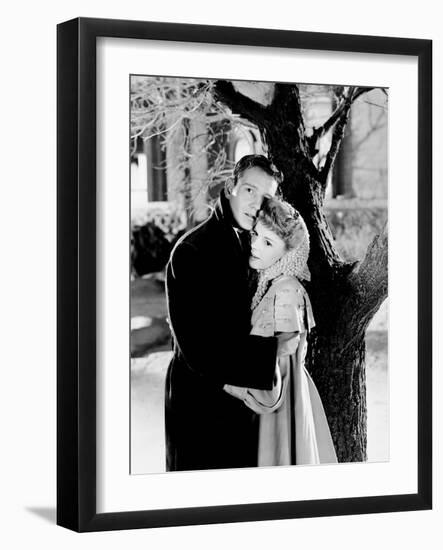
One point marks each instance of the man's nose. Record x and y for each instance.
(255, 203)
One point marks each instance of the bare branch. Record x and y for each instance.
(377, 125)
(370, 276)
(335, 116)
(165, 130)
(383, 107)
(360, 91)
(338, 135)
(322, 130)
(368, 287)
(225, 92)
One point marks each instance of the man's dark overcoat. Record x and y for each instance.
(209, 312)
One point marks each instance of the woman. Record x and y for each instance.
(293, 424)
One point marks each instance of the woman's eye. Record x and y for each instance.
(268, 243)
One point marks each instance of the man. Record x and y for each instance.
(210, 316)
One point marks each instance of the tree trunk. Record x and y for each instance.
(344, 296)
(336, 357)
(174, 152)
(336, 362)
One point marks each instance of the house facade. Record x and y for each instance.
(158, 174)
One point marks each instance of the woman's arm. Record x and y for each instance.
(287, 320)
(287, 343)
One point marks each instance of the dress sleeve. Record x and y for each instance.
(262, 401)
(292, 309)
(264, 324)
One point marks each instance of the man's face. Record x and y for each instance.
(246, 198)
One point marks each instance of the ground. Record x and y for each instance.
(150, 349)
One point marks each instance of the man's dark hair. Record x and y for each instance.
(259, 161)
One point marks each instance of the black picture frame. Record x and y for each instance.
(76, 274)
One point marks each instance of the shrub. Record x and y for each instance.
(150, 249)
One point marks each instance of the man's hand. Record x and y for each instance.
(287, 343)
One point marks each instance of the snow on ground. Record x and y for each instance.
(147, 403)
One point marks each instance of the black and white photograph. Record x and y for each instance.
(258, 274)
(221, 267)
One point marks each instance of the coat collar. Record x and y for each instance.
(223, 215)
(223, 211)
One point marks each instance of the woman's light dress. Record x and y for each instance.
(293, 425)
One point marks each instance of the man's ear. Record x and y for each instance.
(229, 186)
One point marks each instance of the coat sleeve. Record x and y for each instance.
(262, 401)
(210, 336)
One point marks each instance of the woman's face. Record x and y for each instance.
(266, 247)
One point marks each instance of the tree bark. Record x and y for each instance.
(337, 365)
(198, 165)
(344, 295)
(343, 172)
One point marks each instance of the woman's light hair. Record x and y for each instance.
(284, 220)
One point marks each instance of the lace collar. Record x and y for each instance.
(293, 263)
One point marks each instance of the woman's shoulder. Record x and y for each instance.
(292, 307)
(287, 287)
